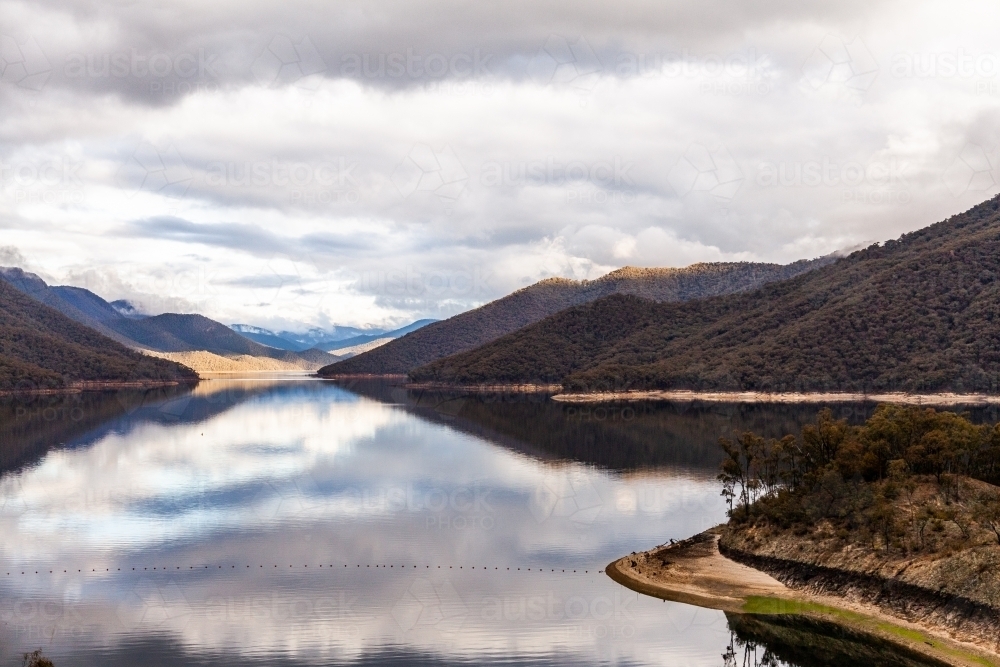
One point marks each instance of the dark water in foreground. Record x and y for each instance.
(297, 522)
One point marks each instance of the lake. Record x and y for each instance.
(293, 521)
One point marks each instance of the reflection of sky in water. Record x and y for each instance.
(308, 475)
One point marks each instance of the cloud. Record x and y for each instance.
(241, 236)
(385, 44)
(245, 151)
(11, 256)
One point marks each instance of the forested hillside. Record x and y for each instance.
(921, 313)
(531, 304)
(169, 332)
(40, 348)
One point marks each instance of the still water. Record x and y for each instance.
(296, 521)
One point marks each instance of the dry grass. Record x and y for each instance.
(208, 362)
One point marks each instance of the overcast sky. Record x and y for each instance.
(369, 163)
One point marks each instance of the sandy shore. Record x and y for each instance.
(694, 572)
(943, 399)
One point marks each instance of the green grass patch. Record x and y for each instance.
(758, 604)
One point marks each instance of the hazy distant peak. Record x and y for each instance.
(249, 328)
(25, 281)
(128, 309)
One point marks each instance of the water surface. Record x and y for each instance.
(296, 521)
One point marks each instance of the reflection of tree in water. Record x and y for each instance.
(798, 641)
(741, 653)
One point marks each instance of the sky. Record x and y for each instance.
(305, 164)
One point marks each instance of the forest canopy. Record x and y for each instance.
(886, 482)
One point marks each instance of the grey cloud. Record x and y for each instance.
(239, 236)
(388, 44)
(11, 256)
(318, 248)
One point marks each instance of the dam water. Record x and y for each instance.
(293, 521)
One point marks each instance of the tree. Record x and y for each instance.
(36, 659)
(986, 512)
(822, 440)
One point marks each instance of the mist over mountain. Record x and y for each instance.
(328, 340)
(128, 309)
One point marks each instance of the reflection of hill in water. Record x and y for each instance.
(619, 436)
(32, 425)
(767, 641)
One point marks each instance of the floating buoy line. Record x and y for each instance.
(331, 567)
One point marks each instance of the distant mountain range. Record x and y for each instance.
(335, 338)
(40, 348)
(918, 314)
(536, 302)
(166, 333)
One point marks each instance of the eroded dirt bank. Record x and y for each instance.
(695, 572)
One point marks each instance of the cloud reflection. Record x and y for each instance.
(239, 527)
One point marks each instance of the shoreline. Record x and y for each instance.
(526, 388)
(942, 399)
(901, 398)
(694, 572)
(80, 387)
(362, 376)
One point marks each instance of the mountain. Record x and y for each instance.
(531, 304)
(921, 313)
(356, 341)
(317, 337)
(329, 341)
(40, 348)
(269, 338)
(169, 332)
(82, 309)
(128, 309)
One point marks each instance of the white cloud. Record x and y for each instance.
(678, 135)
